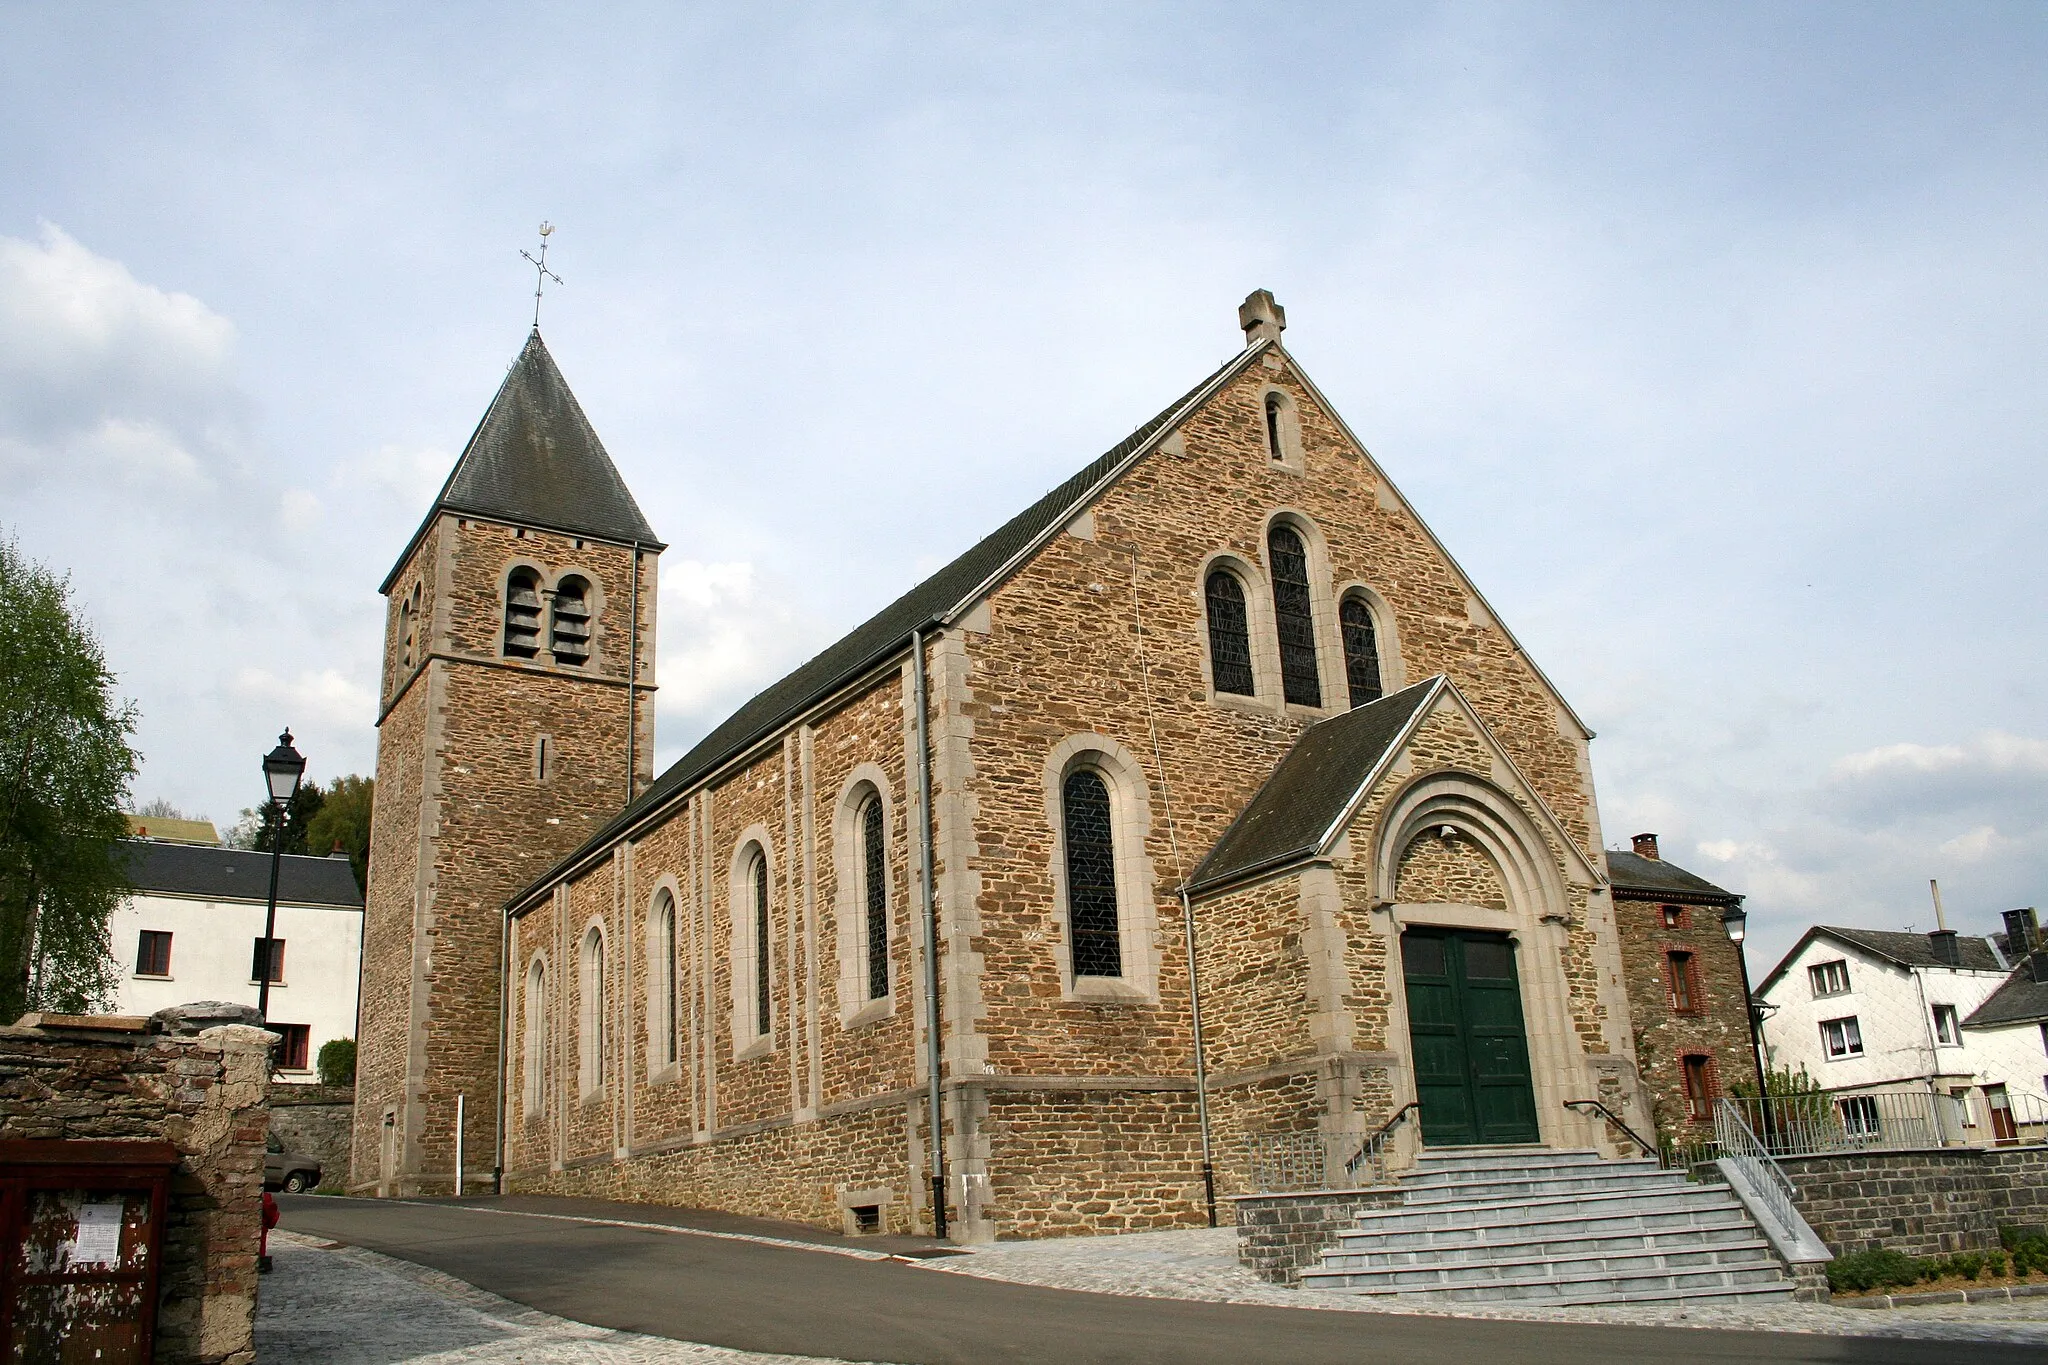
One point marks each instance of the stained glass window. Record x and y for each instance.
(1294, 619)
(1091, 876)
(876, 869)
(1361, 651)
(1230, 645)
(763, 1018)
(522, 614)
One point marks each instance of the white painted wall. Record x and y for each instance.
(213, 945)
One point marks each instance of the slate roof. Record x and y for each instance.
(233, 874)
(887, 632)
(1895, 946)
(1636, 878)
(2021, 1000)
(535, 460)
(1314, 785)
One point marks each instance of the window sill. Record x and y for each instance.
(591, 1098)
(1845, 1057)
(666, 1074)
(871, 1012)
(1253, 705)
(152, 976)
(1106, 990)
(760, 1047)
(275, 985)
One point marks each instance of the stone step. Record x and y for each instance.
(1440, 1173)
(1522, 1241)
(1663, 1205)
(1491, 1188)
(1498, 1158)
(1572, 1287)
(1751, 1254)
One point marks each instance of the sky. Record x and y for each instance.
(1709, 338)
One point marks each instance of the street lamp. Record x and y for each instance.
(282, 769)
(1736, 924)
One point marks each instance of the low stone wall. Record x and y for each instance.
(316, 1119)
(202, 1089)
(1280, 1235)
(1923, 1203)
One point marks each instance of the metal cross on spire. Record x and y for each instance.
(542, 273)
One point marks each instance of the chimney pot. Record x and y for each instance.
(1646, 847)
(1261, 317)
(1943, 944)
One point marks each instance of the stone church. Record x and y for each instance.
(1203, 801)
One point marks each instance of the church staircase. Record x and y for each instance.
(1529, 1225)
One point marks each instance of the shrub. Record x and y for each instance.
(1878, 1268)
(337, 1062)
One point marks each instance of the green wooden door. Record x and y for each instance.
(1465, 1025)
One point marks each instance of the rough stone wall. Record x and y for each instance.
(1434, 869)
(316, 1119)
(1662, 1035)
(208, 1096)
(1923, 1203)
(457, 757)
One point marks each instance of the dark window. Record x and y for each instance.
(1682, 977)
(867, 1217)
(569, 623)
(875, 866)
(1422, 955)
(1829, 978)
(1676, 918)
(1699, 1086)
(256, 958)
(763, 1016)
(293, 1047)
(153, 953)
(522, 614)
(1361, 651)
(1860, 1117)
(1091, 875)
(1294, 618)
(1273, 427)
(1230, 641)
(1490, 959)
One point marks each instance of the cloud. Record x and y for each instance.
(316, 696)
(724, 635)
(1989, 773)
(103, 374)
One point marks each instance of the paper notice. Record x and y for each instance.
(99, 1235)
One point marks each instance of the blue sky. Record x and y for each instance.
(1709, 339)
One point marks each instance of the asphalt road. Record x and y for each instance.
(781, 1299)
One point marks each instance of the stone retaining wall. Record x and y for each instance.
(1280, 1235)
(1923, 1203)
(315, 1119)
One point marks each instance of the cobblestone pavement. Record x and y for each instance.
(1201, 1263)
(344, 1306)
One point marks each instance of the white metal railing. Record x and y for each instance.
(1818, 1122)
(1740, 1146)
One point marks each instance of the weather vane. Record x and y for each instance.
(540, 265)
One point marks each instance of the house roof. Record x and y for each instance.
(887, 633)
(1899, 948)
(1291, 816)
(2020, 1000)
(1637, 878)
(233, 874)
(535, 460)
(175, 831)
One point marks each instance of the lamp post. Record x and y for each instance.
(282, 769)
(1736, 924)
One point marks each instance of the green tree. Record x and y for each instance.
(344, 818)
(65, 769)
(258, 826)
(337, 1061)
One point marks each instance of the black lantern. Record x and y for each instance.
(282, 769)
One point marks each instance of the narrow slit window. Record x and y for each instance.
(569, 623)
(1230, 644)
(595, 1014)
(522, 614)
(1361, 652)
(543, 757)
(1092, 919)
(1273, 446)
(408, 625)
(665, 974)
(876, 878)
(763, 1001)
(1294, 618)
(536, 1036)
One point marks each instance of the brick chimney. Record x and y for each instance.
(1947, 951)
(1261, 318)
(1646, 847)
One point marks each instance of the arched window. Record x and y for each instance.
(535, 1070)
(764, 1018)
(662, 943)
(569, 623)
(1230, 643)
(1274, 404)
(1294, 618)
(522, 614)
(408, 626)
(594, 1051)
(875, 896)
(1361, 651)
(1091, 875)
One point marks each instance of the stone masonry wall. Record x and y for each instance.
(205, 1094)
(316, 1119)
(1923, 1203)
(1281, 1235)
(1664, 1035)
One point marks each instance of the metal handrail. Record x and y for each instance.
(1375, 1143)
(1617, 1121)
(1741, 1144)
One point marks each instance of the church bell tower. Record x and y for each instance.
(515, 716)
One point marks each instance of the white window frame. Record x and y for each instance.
(1850, 1033)
(1948, 1026)
(1820, 970)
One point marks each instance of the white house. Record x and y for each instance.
(2014, 1021)
(193, 930)
(1874, 1012)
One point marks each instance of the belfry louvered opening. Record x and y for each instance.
(522, 614)
(569, 623)
(1092, 919)
(1294, 618)
(1230, 644)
